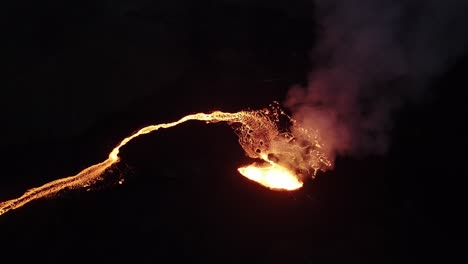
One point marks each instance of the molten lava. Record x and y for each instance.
(272, 176)
(259, 136)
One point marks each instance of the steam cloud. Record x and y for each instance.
(372, 57)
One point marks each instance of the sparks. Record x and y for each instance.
(259, 136)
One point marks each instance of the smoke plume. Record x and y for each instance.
(370, 58)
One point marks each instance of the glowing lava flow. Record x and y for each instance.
(89, 175)
(259, 136)
(271, 175)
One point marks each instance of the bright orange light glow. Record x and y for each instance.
(272, 176)
(90, 175)
(259, 136)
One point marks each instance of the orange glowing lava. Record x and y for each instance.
(272, 176)
(259, 136)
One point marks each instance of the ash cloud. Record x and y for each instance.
(372, 57)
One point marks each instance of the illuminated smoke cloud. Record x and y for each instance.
(370, 58)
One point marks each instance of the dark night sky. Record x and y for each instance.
(81, 75)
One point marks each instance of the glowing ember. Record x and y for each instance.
(259, 136)
(272, 176)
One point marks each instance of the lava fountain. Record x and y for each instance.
(286, 156)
